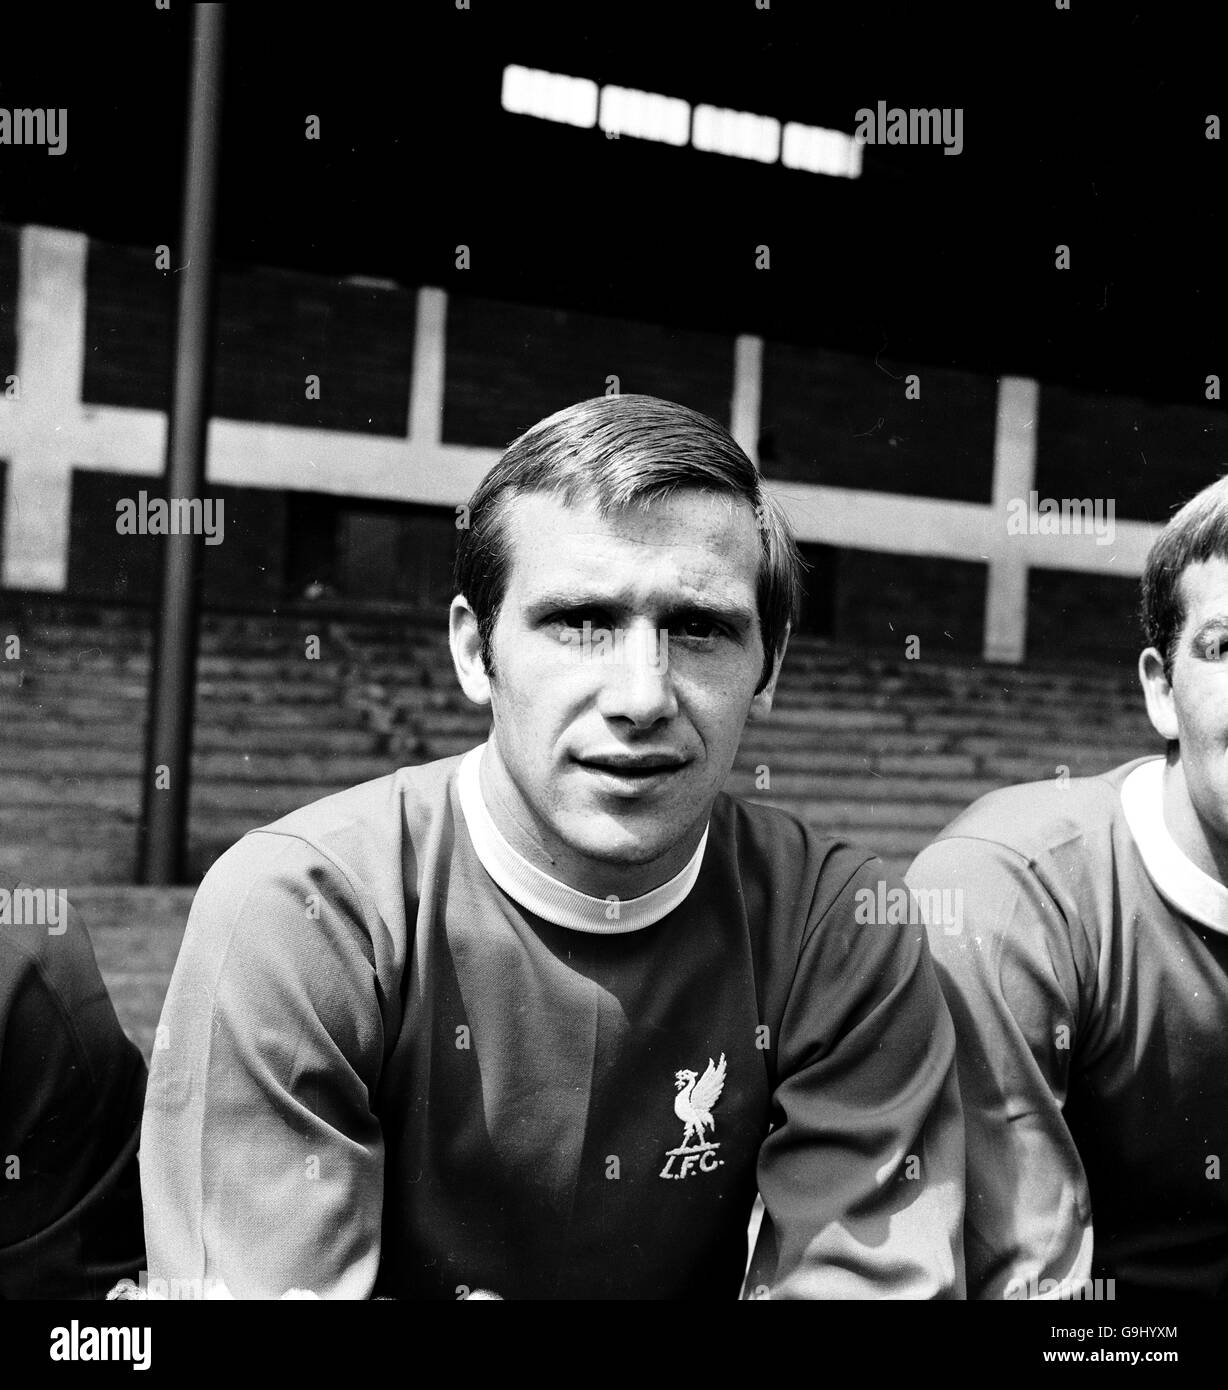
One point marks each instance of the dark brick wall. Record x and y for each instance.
(1147, 457)
(248, 565)
(273, 329)
(827, 417)
(844, 421)
(511, 364)
(818, 615)
(10, 256)
(1083, 615)
(399, 553)
(881, 600)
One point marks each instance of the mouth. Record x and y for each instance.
(633, 772)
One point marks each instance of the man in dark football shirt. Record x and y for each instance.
(1088, 980)
(538, 1020)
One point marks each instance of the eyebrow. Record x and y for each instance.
(733, 615)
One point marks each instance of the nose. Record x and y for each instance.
(636, 683)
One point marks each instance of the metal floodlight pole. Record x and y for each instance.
(167, 774)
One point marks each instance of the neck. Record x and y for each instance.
(536, 843)
(1192, 835)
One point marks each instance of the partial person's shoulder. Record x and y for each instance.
(786, 861)
(785, 848)
(1034, 860)
(42, 939)
(1035, 819)
(830, 920)
(53, 1000)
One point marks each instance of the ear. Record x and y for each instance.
(761, 704)
(466, 651)
(1158, 692)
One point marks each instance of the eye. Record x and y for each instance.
(577, 620)
(695, 629)
(1213, 646)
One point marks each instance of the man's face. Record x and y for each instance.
(611, 740)
(1199, 695)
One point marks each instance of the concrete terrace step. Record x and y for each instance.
(868, 816)
(827, 671)
(233, 754)
(834, 679)
(125, 737)
(46, 736)
(111, 793)
(85, 709)
(430, 712)
(392, 639)
(869, 787)
(101, 620)
(231, 765)
(831, 674)
(862, 745)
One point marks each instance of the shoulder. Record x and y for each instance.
(57, 1022)
(1037, 819)
(1039, 869)
(779, 852)
(349, 864)
(805, 895)
(348, 819)
(360, 835)
(44, 945)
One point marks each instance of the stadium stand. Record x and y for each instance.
(861, 744)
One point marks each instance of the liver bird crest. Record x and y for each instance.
(696, 1097)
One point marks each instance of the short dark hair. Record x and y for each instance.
(1198, 532)
(620, 451)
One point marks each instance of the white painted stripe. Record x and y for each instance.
(36, 526)
(430, 347)
(747, 393)
(38, 429)
(1014, 445)
(1014, 468)
(1006, 611)
(48, 432)
(344, 464)
(51, 317)
(883, 521)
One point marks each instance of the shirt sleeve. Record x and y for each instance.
(71, 1089)
(262, 1160)
(862, 1174)
(1010, 978)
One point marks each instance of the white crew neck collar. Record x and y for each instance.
(539, 893)
(1177, 878)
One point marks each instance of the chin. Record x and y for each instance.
(626, 848)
